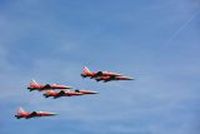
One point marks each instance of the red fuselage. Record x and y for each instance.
(99, 73)
(103, 75)
(67, 93)
(41, 87)
(28, 115)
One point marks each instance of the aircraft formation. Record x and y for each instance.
(57, 90)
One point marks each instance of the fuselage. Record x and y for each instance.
(68, 93)
(28, 115)
(41, 87)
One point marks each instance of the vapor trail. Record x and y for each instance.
(182, 27)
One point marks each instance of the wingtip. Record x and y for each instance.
(54, 114)
(96, 92)
(130, 78)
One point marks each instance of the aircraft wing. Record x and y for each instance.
(33, 114)
(61, 93)
(105, 78)
(111, 73)
(47, 86)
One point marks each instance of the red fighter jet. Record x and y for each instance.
(67, 93)
(21, 113)
(104, 75)
(40, 87)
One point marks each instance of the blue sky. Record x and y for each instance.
(157, 42)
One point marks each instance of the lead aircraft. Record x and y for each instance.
(104, 75)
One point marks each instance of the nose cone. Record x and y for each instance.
(94, 92)
(130, 78)
(126, 78)
(53, 114)
(91, 92)
(87, 91)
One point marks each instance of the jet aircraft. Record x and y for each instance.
(40, 87)
(104, 75)
(67, 93)
(21, 113)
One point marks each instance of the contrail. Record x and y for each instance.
(180, 29)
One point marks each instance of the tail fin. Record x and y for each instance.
(33, 82)
(20, 110)
(86, 70)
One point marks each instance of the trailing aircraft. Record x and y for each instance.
(21, 113)
(40, 87)
(67, 93)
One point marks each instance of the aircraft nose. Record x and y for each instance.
(130, 78)
(54, 114)
(94, 92)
